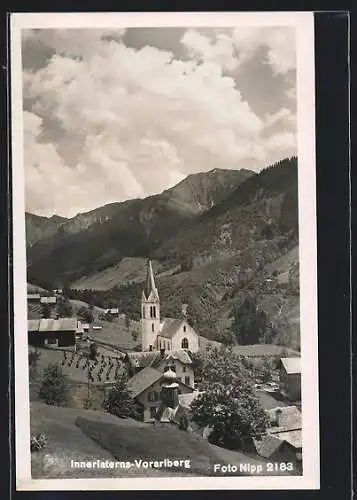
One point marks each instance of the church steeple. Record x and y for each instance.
(150, 312)
(150, 282)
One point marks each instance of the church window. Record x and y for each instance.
(184, 369)
(187, 380)
(152, 327)
(184, 343)
(153, 396)
(152, 311)
(184, 328)
(150, 347)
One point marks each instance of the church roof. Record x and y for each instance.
(142, 380)
(170, 326)
(150, 286)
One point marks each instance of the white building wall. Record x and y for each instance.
(150, 327)
(185, 331)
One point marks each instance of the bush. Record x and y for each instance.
(53, 388)
(86, 314)
(119, 401)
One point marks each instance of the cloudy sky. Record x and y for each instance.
(112, 115)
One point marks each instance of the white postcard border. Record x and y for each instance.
(304, 24)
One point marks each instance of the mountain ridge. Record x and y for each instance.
(122, 225)
(213, 259)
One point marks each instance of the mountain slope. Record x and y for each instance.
(39, 227)
(228, 253)
(101, 238)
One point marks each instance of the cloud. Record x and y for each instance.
(279, 43)
(204, 49)
(110, 122)
(283, 116)
(72, 42)
(244, 43)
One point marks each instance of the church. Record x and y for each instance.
(167, 334)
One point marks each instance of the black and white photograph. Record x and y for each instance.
(164, 251)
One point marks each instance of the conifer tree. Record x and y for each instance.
(119, 400)
(53, 389)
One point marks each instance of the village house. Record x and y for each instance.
(33, 297)
(290, 378)
(179, 362)
(283, 441)
(53, 332)
(113, 312)
(48, 300)
(146, 388)
(167, 333)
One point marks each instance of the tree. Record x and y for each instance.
(233, 412)
(119, 400)
(53, 388)
(228, 338)
(64, 307)
(86, 314)
(250, 325)
(93, 351)
(219, 366)
(33, 361)
(127, 322)
(46, 310)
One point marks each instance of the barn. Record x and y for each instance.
(53, 332)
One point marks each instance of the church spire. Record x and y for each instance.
(150, 282)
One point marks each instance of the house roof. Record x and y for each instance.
(287, 418)
(291, 365)
(154, 358)
(51, 325)
(142, 380)
(143, 359)
(269, 445)
(169, 327)
(267, 401)
(294, 437)
(33, 325)
(48, 300)
(180, 355)
(185, 400)
(33, 296)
